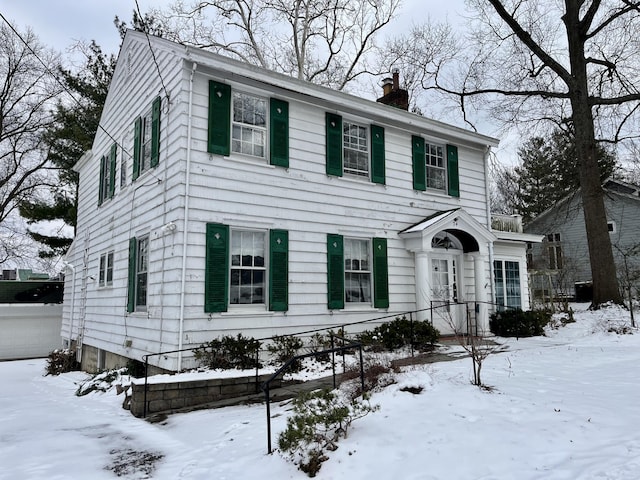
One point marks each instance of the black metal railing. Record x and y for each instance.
(346, 345)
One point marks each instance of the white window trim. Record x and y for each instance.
(614, 228)
(367, 128)
(103, 269)
(267, 127)
(360, 305)
(250, 307)
(427, 144)
(138, 307)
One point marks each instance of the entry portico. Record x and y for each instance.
(452, 266)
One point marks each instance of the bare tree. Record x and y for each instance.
(323, 41)
(570, 62)
(26, 92)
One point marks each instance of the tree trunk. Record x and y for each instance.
(603, 268)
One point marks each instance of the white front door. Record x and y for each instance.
(445, 291)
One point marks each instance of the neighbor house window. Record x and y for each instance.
(611, 227)
(357, 271)
(436, 172)
(248, 124)
(507, 281)
(107, 185)
(105, 277)
(146, 142)
(138, 274)
(356, 149)
(353, 148)
(554, 250)
(246, 267)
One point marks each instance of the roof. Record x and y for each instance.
(231, 69)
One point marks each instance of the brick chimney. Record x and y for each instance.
(392, 94)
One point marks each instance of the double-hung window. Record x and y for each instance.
(246, 267)
(249, 131)
(247, 124)
(554, 249)
(507, 281)
(138, 274)
(146, 140)
(354, 149)
(105, 276)
(435, 166)
(357, 271)
(107, 186)
(436, 172)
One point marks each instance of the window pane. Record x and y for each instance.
(357, 274)
(435, 167)
(141, 271)
(102, 270)
(248, 267)
(356, 149)
(249, 125)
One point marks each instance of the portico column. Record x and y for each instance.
(422, 285)
(481, 286)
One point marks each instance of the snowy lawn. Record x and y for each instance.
(563, 406)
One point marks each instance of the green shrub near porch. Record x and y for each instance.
(518, 323)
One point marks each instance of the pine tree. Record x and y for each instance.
(547, 172)
(76, 122)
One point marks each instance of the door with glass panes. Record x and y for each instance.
(445, 293)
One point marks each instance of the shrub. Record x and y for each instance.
(400, 333)
(100, 382)
(518, 323)
(61, 361)
(229, 352)
(317, 343)
(284, 348)
(319, 419)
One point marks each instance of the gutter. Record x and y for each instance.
(187, 192)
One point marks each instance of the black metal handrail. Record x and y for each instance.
(347, 346)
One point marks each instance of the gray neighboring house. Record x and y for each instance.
(560, 266)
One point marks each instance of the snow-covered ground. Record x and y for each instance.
(563, 406)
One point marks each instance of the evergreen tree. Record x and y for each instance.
(547, 172)
(75, 124)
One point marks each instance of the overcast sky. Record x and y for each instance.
(60, 23)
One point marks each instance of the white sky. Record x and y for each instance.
(564, 406)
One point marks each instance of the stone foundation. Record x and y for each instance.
(172, 396)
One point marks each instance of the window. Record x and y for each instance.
(249, 132)
(529, 255)
(248, 124)
(105, 277)
(507, 281)
(123, 169)
(435, 166)
(354, 149)
(138, 274)
(248, 269)
(554, 250)
(146, 142)
(245, 267)
(357, 272)
(107, 186)
(432, 170)
(611, 227)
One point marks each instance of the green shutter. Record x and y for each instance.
(219, 141)
(419, 163)
(216, 273)
(377, 154)
(452, 171)
(137, 146)
(279, 270)
(334, 144)
(380, 274)
(131, 287)
(279, 132)
(155, 132)
(112, 170)
(335, 272)
(103, 159)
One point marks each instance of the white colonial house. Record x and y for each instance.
(221, 198)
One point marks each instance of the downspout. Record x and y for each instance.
(487, 153)
(73, 298)
(187, 192)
